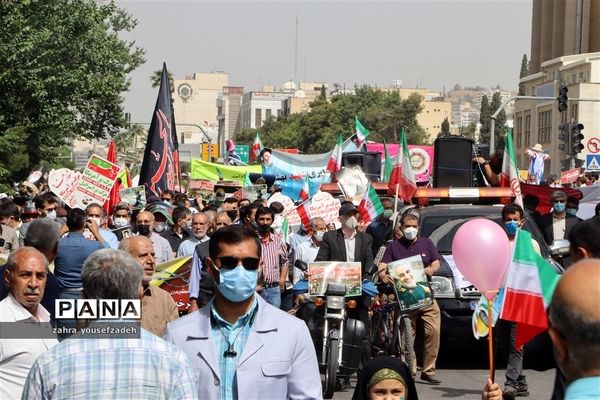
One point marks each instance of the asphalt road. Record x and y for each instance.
(467, 384)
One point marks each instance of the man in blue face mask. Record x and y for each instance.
(557, 224)
(240, 346)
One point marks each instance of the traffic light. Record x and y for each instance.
(562, 98)
(563, 137)
(576, 138)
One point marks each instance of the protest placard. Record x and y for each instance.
(570, 176)
(324, 205)
(96, 181)
(289, 209)
(410, 283)
(62, 182)
(254, 192)
(134, 196)
(323, 273)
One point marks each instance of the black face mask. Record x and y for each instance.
(143, 230)
(264, 228)
(232, 214)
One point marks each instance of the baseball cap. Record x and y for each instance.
(347, 209)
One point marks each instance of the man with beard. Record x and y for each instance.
(180, 231)
(199, 235)
(158, 307)
(162, 248)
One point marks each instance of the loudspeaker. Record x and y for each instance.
(452, 163)
(370, 162)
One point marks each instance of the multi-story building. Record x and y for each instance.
(539, 121)
(257, 106)
(229, 106)
(195, 105)
(561, 28)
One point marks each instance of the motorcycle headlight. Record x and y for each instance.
(335, 302)
(442, 286)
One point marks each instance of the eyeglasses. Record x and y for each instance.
(249, 263)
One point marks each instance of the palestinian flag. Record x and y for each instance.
(509, 177)
(305, 190)
(304, 214)
(256, 148)
(360, 131)
(335, 160)
(530, 282)
(402, 173)
(370, 206)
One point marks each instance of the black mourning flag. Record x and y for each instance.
(160, 168)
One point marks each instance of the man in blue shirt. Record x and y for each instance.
(574, 319)
(72, 252)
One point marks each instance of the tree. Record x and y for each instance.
(485, 114)
(156, 77)
(499, 126)
(469, 131)
(524, 72)
(445, 126)
(63, 69)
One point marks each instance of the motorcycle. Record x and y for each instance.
(338, 339)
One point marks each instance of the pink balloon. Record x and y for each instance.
(482, 253)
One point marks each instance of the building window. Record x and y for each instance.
(267, 113)
(527, 130)
(519, 131)
(544, 126)
(257, 118)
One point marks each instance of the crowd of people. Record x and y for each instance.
(238, 340)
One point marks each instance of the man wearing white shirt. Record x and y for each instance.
(199, 229)
(307, 250)
(25, 276)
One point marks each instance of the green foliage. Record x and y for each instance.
(156, 77)
(499, 128)
(382, 113)
(469, 131)
(485, 115)
(445, 126)
(524, 72)
(63, 69)
(485, 118)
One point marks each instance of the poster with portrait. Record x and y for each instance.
(410, 283)
(323, 273)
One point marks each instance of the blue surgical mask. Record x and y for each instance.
(511, 227)
(572, 211)
(388, 214)
(237, 284)
(559, 207)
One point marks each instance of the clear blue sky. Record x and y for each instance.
(428, 43)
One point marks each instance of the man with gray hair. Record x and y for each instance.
(558, 224)
(25, 276)
(574, 319)
(105, 366)
(307, 250)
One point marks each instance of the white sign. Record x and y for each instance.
(324, 205)
(289, 209)
(63, 182)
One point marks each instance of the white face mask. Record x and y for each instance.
(410, 233)
(319, 235)
(96, 220)
(51, 214)
(351, 222)
(121, 222)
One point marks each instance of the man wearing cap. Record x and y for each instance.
(536, 166)
(557, 224)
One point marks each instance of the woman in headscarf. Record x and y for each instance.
(385, 378)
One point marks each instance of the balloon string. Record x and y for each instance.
(490, 340)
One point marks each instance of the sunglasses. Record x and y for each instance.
(249, 263)
(559, 201)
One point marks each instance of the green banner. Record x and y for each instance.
(214, 172)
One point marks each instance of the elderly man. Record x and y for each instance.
(240, 346)
(96, 213)
(25, 276)
(574, 319)
(162, 248)
(199, 235)
(557, 224)
(158, 307)
(307, 250)
(109, 367)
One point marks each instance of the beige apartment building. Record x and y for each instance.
(538, 121)
(229, 105)
(562, 28)
(195, 103)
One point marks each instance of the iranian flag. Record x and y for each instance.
(360, 131)
(509, 177)
(304, 214)
(387, 170)
(402, 178)
(370, 206)
(305, 190)
(530, 282)
(256, 148)
(247, 181)
(335, 160)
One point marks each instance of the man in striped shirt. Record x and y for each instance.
(274, 256)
